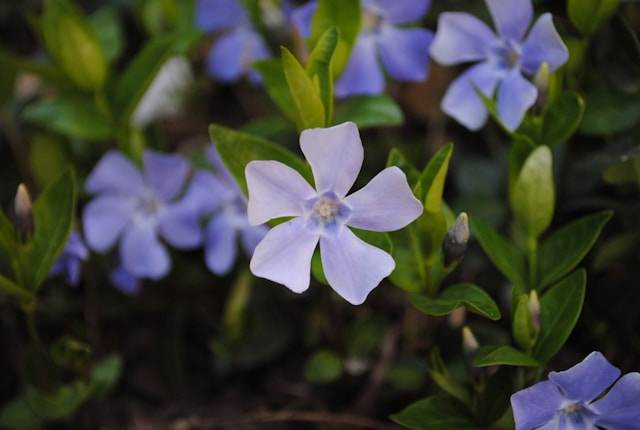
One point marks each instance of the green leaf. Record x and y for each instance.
(238, 149)
(105, 375)
(502, 355)
(343, 14)
(59, 404)
(431, 184)
(107, 27)
(8, 239)
(505, 256)
(589, 15)
(276, 85)
(304, 93)
(17, 414)
(73, 117)
(562, 119)
(566, 247)
(11, 289)
(53, 214)
(434, 413)
(522, 328)
(319, 68)
(609, 112)
(560, 309)
(472, 297)
(142, 70)
(533, 195)
(410, 272)
(398, 159)
(323, 367)
(494, 399)
(370, 111)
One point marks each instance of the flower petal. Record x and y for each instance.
(234, 52)
(620, 408)
(115, 173)
(515, 96)
(220, 169)
(303, 16)
(536, 405)
(284, 255)
(386, 203)
(220, 248)
(399, 11)
(165, 173)
(461, 100)
(511, 17)
(104, 218)
(76, 247)
(335, 155)
(275, 190)
(125, 281)
(251, 236)
(543, 45)
(461, 38)
(586, 380)
(213, 15)
(180, 226)
(353, 267)
(405, 52)
(205, 194)
(142, 254)
(363, 75)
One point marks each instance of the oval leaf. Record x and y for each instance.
(474, 298)
(434, 413)
(502, 355)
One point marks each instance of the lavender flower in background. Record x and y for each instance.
(404, 52)
(572, 399)
(352, 267)
(217, 195)
(502, 59)
(136, 208)
(239, 46)
(70, 262)
(125, 281)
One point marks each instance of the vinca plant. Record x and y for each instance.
(325, 214)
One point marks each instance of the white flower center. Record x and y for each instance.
(326, 213)
(326, 209)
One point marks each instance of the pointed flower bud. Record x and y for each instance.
(22, 209)
(455, 242)
(534, 312)
(469, 342)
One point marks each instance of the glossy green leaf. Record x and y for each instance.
(434, 413)
(589, 15)
(73, 117)
(108, 28)
(504, 355)
(567, 246)
(323, 367)
(345, 15)
(53, 214)
(370, 111)
(276, 85)
(472, 297)
(319, 68)
(238, 149)
(304, 93)
(431, 183)
(560, 309)
(521, 327)
(562, 119)
(533, 194)
(505, 256)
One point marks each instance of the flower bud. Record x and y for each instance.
(23, 213)
(534, 312)
(455, 242)
(469, 342)
(542, 81)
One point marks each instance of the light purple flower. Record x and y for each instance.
(125, 281)
(216, 195)
(404, 52)
(136, 208)
(352, 267)
(239, 46)
(501, 58)
(69, 263)
(572, 399)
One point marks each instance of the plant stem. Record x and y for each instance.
(532, 246)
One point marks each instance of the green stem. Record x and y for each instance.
(532, 246)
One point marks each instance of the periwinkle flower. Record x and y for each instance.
(125, 281)
(352, 267)
(501, 58)
(70, 262)
(239, 46)
(404, 52)
(136, 208)
(216, 195)
(573, 400)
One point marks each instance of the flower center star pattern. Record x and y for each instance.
(323, 215)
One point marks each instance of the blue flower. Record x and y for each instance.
(216, 195)
(125, 281)
(573, 399)
(352, 267)
(136, 208)
(70, 262)
(239, 46)
(404, 52)
(502, 59)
